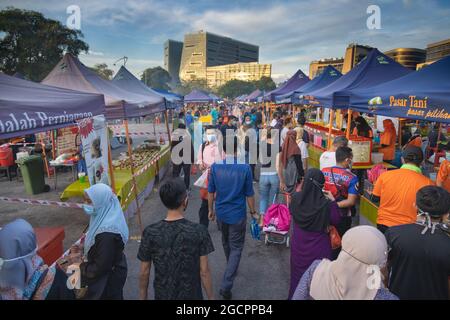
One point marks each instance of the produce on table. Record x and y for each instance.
(141, 156)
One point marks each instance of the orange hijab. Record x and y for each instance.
(290, 147)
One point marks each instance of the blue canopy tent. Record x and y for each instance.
(70, 73)
(176, 101)
(376, 68)
(253, 97)
(214, 97)
(295, 82)
(328, 75)
(420, 95)
(27, 107)
(198, 96)
(126, 80)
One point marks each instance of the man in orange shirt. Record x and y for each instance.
(443, 177)
(396, 191)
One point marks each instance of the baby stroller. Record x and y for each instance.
(277, 222)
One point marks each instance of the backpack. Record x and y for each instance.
(291, 175)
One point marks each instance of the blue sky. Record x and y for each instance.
(290, 33)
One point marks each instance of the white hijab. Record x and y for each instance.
(349, 277)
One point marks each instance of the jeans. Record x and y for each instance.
(268, 187)
(233, 237)
(203, 213)
(186, 170)
(382, 228)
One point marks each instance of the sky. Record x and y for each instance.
(290, 34)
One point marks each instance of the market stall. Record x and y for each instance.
(422, 95)
(121, 104)
(28, 108)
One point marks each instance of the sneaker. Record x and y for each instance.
(226, 295)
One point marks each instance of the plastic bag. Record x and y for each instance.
(254, 229)
(202, 182)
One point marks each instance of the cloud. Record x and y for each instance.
(95, 53)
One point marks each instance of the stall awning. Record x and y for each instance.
(27, 107)
(70, 73)
(198, 96)
(295, 82)
(328, 76)
(127, 81)
(420, 95)
(376, 68)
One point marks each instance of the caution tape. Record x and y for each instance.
(43, 202)
(120, 134)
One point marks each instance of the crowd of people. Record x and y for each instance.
(407, 254)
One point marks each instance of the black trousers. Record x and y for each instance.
(203, 213)
(342, 228)
(382, 228)
(186, 170)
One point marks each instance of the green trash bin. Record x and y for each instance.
(32, 169)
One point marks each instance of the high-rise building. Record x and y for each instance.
(250, 71)
(204, 49)
(353, 55)
(316, 67)
(408, 57)
(172, 57)
(438, 50)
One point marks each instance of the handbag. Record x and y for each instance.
(335, 238)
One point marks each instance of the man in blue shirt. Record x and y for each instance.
(230, 183)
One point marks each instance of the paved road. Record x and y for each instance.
(263, 272)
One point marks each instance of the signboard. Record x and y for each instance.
(94, 138)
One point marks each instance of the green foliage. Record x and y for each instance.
(265, 84)
(102, 70)
(186, 87)
(32, 44)
(157, 78)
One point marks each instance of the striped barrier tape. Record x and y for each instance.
(43, 202)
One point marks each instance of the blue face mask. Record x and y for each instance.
(90, 210)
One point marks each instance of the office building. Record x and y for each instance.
(203, 49)
(250, 71)
(316, 67)
(438, 50)
(353, 55)
(408, 57)
(172, 58)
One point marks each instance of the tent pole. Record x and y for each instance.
(53, 145)
(349, 121)
(167, 125)
(111, 169)
(330, 127)
(136, 193)
(400, 133)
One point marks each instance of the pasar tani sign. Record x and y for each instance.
(26, 121)
(420, 107)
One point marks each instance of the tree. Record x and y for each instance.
(157, 78)
(265, 84)
(102, 70)
(236, 88)
(186, 87)
(32, 44)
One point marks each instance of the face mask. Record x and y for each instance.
(88, 209)
(211, 137)
(350, 164)
(248, 122)
(3, 261)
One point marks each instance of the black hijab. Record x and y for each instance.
(309, 207)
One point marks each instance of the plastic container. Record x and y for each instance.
(6, 156)
(50, 243)
(32, 168)
(377, 157)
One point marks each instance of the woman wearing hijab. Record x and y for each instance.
(23, 274)
(357, 274)
(105, 271)
(387, 140)
(290, 171)
(313, 211)
(362, 128)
